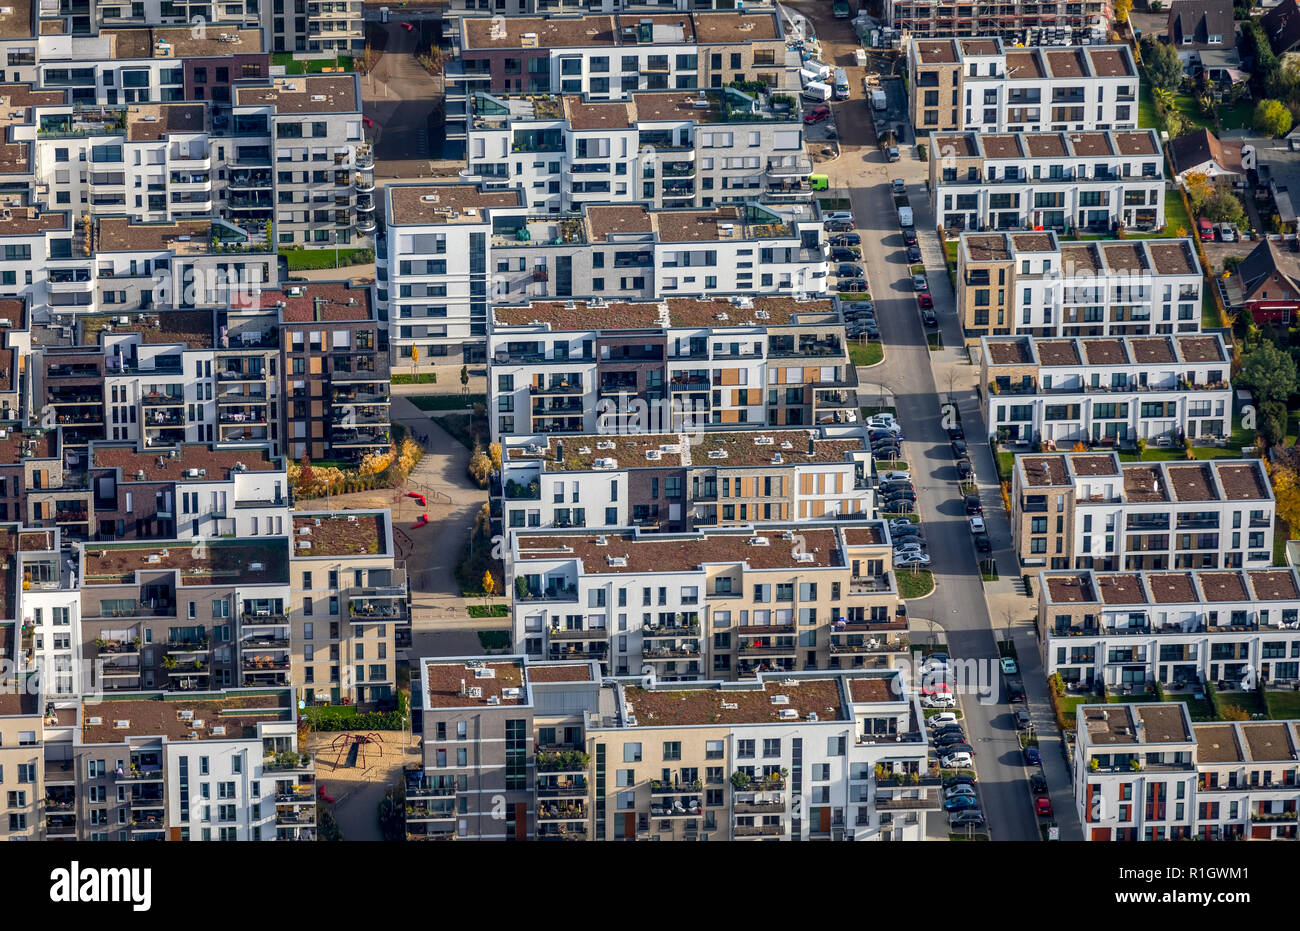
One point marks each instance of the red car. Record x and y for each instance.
(925, 300)
(1043, 806)
(817, 114)
(408, 27)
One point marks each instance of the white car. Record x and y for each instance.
(977, 525)
(888, 419)
(968, 791)
(941, 720)
(895, 477)
(957, 761)
(912, 561)
(837, 216)
(938, 701)
(880, 423)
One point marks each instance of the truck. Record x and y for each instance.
(817, 91)
(905, 217)
(878, 100)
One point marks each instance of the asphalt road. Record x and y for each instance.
(958, 603)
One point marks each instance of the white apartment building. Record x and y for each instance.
(486, 243)
(982, 85)
(1087, 510)
(659, 365)
(1076, 181)
(1032, 283)
(730, 601)
(50, 608)
(1239, 628)
(663, 149)
(679, 482)
(1105, 389)
(1144, 772)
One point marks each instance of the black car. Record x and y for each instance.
(869, 330)
(839, 226)
(890, 491)
(909, 236)
(958, 780)
(913, 253)
(886, 452)
(956, 748)
(846, 239)
(929, 319)
(948, 730)
(848, 271)
(1023, 721)
(1037, 783)
(942, 741)
(845, 255)
(1015, 692)
(959, 450)
(852, 285)
(983, 543)
(956, 433)
(973, 505)
(900, 496)
(906, 534)
(883, 437)
(898, 505)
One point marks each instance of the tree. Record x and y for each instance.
(1272, 422)
(392, 814)
(464, 378)
(1286, 491)
(480, 467)
(1270, 373)
(1272, 118)
(494, 453)
(1223, 207)
(489, 583)
(1199, 188)
(1163, 68)
(1122, 8)
(305, 475)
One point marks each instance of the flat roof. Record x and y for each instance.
(1222, 586)
(421, 204)
(677, 449)
(1171, 587)
(567, 672)
(1191, 483)
(1012, 350)
(1162, 723)
(626, 553)
(936, 51)
(1241, 481)
(1217, 743)
(152, 121)
(16, 20)
(1273, 584)
(986, 247)
(1064, 589)
(1111, 61)
(1144, 483)
(1105, 351)
(174, 715)
(874, 689)
(120, 234)
(1172, 258)
(1151, 350)
(753, 705)
(1043, 470)
(1267, 741)
(1066, 63)
(359, 534)
(1054, 352)
(216, 562)
(612, 114)
(303, 93)
(191, 328)
(1200, 348)
(453, 684)
(159, 466)
(31, 221)
(1121, 589)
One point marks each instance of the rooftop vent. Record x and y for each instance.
(474, 691)
(758, 541)
(485, 672)
(780, 699)
(788, 714)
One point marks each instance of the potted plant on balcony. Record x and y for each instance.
(740, 780)
(1094, 764)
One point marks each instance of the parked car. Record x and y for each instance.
(845, 254)
(918, 283)
(982, 543)
(1043, 806)
(959, 450)
(1032, 756)
(886, 451)
(956, 433)
(852, 285)
(910, 533)
(928, 319)
(977, 525)
(918, 561)
(1023, 721)
(1015, 691)
(959, 790)
(941, 658)
(1205, 229)
(925, 300)
(971, 817)
(890, 489)
(846, 239)
(867, 329)
(817, 115)
(973, 505)
(909, 236)
(938, 701)
(838, 216)
(940, 720)
(965, 471)
(960, 803)
(1009, 667)
(1037, 783)
(839, 226)
(900, 522)
(956, 761)
(1227, 232)
(884, 427)
(913, 253)
(896, 476)
(961, 779)
(950, 730)
(848, 271)
(899, 186)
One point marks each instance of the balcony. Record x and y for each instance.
(759, 803)
(590, 633)
(139, 774)
(768, 648)
(678, 808)
(675, 788)
(758, 830)
(562, 811)
(60, 825)
(554, 787)
(661, 654)
(562, 762)
(295, 815)
(287, 761)
(893, 802)
(682, 630)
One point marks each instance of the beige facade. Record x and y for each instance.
(22, 777)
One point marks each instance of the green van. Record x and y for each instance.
(819, 182)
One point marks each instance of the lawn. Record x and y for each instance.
(447, 402)
(1146, 107)
(1237, 116)
(1191, 111)
(311, 66)
(307, 259)
(1245, 702)
(1210, 319)
(1175, 214)
(869, 353)
(915, 584)
(855, 296)
(1283, 705)
(934, 340)
(488, 610)
(891, 465)
(968, 837)
(1281, 534)
(494, 639)
(423, 378)
(466, 429)
(1006, 463)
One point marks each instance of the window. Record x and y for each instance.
(672, 750)
(631, 753)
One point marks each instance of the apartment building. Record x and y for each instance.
(487, 243)
(663, 149)
(1239, 628)
(1159, 777)
(984, 86)
(726, 602)
(609, 56)
(306, 129)
(1068, 182)
(1033, 284)
(348, 601)
(675, 482)
(808, 756)
(188, 492)
(659, 366)
(21, 723)
(220, 766)
(1086, 510)
(1050, 23)
(1112, 390)
(543, 7)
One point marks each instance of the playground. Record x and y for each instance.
(355, 769)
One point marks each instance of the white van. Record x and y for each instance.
(817, 91)
(807, 76)
(822, 71)
(841, 84)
